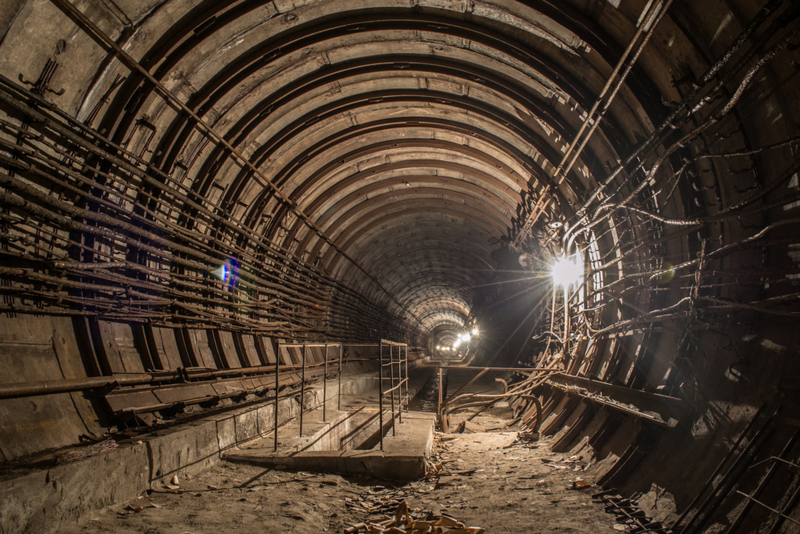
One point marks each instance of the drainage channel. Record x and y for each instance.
(427, 397)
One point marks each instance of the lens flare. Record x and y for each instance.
(228, 273)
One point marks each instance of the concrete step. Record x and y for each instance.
(402, 458)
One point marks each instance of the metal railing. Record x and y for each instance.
(397, 360)
(325, 360)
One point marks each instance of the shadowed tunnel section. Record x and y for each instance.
(186, 184)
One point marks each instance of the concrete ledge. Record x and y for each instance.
(403, 457)
(40, 499)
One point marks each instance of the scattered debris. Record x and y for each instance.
(579, 484)
(629, 516)
(405, 521)
(469, 427)
(139, 504)
(528, 440)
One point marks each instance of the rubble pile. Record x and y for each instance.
(416, 521)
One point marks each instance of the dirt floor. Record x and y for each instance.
(491, 480)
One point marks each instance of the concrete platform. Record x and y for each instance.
(39, 497)
(402, 458)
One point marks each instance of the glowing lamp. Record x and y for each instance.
(567, 270)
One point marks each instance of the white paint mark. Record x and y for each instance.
(614, 3)
(771, 345)
(722, 26)
(793, 182)
(791, 205)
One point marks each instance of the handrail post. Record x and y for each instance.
(439, 406)
(339, 401)
(408, 395)
(380, 394)
(400, 383)
(391, 373)
(277, 370)
(325, 388)
(302, 390)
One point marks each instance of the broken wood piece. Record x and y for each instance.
(447, 521)
(579, 485)
(401, 513)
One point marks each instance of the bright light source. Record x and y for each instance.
(457, 343)
(567, 270)
(465, 338)
(475, 331)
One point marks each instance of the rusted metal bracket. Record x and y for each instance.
(668, 410)
(42, 84)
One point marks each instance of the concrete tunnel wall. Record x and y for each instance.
(403, 170)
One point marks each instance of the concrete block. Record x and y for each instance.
(321, 462)
(246, 426)
(265, 418)
(186, 450)
(42, 500)
(226, 433)
(22, 499)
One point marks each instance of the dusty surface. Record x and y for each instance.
(486, 479)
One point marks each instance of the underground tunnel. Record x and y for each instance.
(513, 265)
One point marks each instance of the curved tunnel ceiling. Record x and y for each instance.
(388, 149)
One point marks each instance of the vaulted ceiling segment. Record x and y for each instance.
(409, 134)
(384, 150)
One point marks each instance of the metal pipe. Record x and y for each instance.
(647, 16)
(561, 171)
(260, 177)
(728, 479)
(791, 503)
(96, 144)
(763, 483)
(510, 369)
(773, 510)
(48, 387)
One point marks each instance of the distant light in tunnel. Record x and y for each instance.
(475, 331)
(567, 270)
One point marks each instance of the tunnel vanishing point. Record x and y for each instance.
(607, 190)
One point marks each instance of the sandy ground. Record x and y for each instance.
(486, 479)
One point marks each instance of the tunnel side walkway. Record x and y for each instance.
(403, 456)
(490, 480)
(348, 441)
